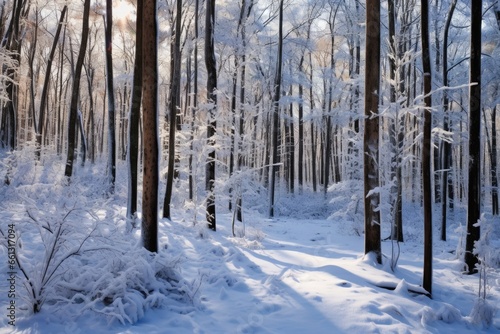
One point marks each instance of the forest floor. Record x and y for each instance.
(297, 273)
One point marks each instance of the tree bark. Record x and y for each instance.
(275, 114)
(494, 175)
(446, 158)
(195, 100)
(174, 105)
(371, 135)
(300, 165)
(313, 132)
(427, 149)
(134, 119)
(394, 132)
(210, 63)
(75, 93)
(111, 97)
(150, 119)
(474, 198)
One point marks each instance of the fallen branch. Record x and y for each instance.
(413, 288)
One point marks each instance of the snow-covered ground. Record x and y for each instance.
(292, 274)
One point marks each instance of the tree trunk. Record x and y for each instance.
(394, 132)
(474, 198)
(371, 135)
(150, 119)
(134, 120)
(60, 97)
(446, 158)
(75, 93)
(427, 149)
(195, 100)
(210, 63)
(494, 175)
(111, 97)
(239, 159)
(174, 105)
(291, 147)
(12, 42)
(275, 115)
(48, 72)
(300, 165)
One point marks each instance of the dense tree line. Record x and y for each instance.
(292, 93)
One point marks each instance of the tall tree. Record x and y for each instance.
(195, 97)
(134, 118)
(493, 159)
(395, 131)
(150, 123)
(446, 158)
(246, 10)
(474, 199)
(174, 105)
(328, 116)
(371, 135)
(275, 113)
(12, 42)
(426, 149)
(210, 64)
(111, 96)
(75, 92)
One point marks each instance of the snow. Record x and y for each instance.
(298, 273)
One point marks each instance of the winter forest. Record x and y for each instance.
(249, 166)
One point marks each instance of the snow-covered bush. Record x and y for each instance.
(121, 285)
(483, 312)
(347, 199)
(71, 252)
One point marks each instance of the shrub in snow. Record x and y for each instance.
(483, 312)
(122, 285)
(446, 313)
(348, 203)
(70, 256)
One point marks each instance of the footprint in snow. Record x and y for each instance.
(344, 284)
